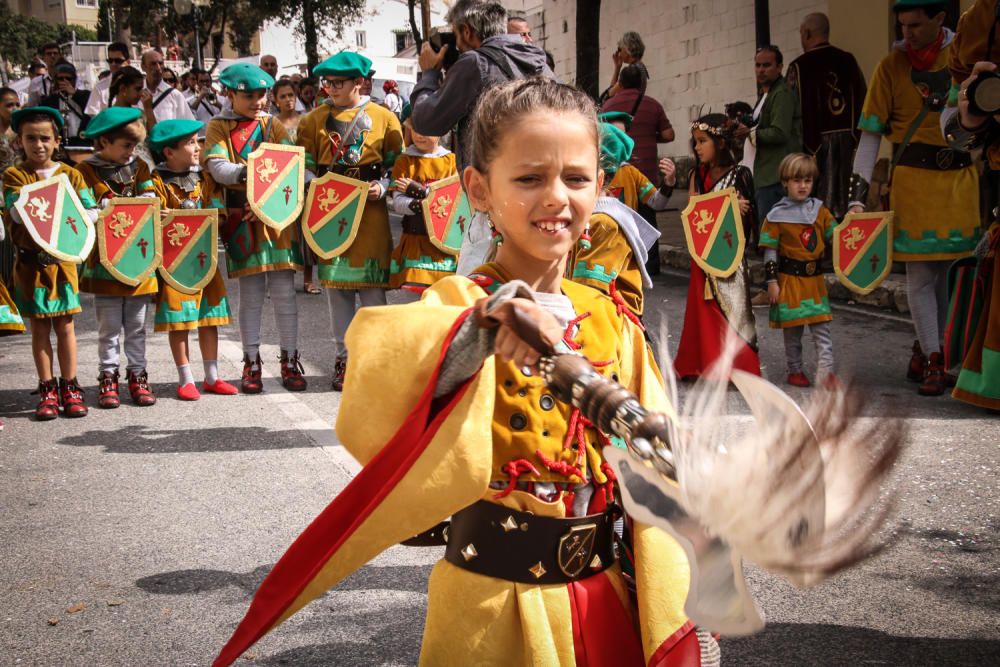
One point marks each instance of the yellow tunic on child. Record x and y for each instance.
(631, 186)
(609, 259)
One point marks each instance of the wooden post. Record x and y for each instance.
(425, 17)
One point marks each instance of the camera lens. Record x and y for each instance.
(984, 94)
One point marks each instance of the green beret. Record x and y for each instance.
(616, 148)
(109, 119)
(167, 133)
(406, 112)
(245, 77)
(904, 5)
(346, 64)
(616, 116)
(21, 114)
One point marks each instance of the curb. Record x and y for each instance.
(890, 295)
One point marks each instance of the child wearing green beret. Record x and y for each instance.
(177, 179)
(262, 258)
(114, 170)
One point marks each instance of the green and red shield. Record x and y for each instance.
(333, 213)
(447, 212)
(862, 250)
(714, 231)
(55, 219)
(275, 183)
(190, 248)
(128, 238)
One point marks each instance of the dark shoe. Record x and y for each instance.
(799, 380)
(138, 389)
(934, 383)
(918, 362)
(71, 396)
(252, 381)
(107, 390)
(291, 372)
(48, 400)
(339, 373)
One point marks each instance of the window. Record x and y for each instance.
(361, 38)
(403, 39)
(86, 3)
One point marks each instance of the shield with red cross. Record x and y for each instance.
(190, 248)
(276, 183)
(713, 228)
(334, 208)
(128, 238)
(447, 213)
(862, 250)
(56, 219)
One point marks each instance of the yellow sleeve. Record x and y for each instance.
(143, 179)
(402, 167)
(770, 234)
(216, 141)
(161, 191)
(305, 136)
(392, 143)
(877, 109)
(607, 256)
(643, 186)
(13, 180)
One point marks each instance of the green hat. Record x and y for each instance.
(406, 112)
(616, 147)
(904, 5)
(21, 114)
(613, 116)
(245, 77)
(167, 133)
(345, 63)
(109, 119)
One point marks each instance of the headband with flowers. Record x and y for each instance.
(711, 129)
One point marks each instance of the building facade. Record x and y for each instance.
(78, 12)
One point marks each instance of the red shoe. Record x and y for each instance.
(252, 382)
(339, 373)
(291, 372)
(934, 383)
(188, 392)
(918, 362)
(48, 400)
(799, 380)
(71, 396)
(220, 387)
(138, 389)
(107, 390)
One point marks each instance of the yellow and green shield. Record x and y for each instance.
(55, 219)
(333, 213)
(128, 238)
(190, 248)
(275, 183)
(862, 250)
(713, 228)
(447, 212)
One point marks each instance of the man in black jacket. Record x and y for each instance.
(71, 104)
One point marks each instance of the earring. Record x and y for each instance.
(495, 236)
(585, 238)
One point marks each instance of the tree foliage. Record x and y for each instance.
(20, 37)
(315, 20)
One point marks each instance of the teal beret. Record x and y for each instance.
(167, 133)
(109, 119)
(245, 77)
(616, 116)
(406, 112)
(616, 147)
(346, 64)
(21, 114)
(903, 5)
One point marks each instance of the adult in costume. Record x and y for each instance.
(935, 188)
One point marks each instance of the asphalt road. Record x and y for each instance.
(137, 536)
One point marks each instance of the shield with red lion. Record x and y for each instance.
(447, 212)
(128, 238)
(275, 183)
(862, 250)
(333, 213)
(190, 248)
(713, 228)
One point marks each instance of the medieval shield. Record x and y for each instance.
(128, 238)
(862, 250)
(446, 212)
(56, 220)
(713, 228)
(275, 183)
(190, 248)
(333, 213)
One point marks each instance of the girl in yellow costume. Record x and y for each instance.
(473, 433)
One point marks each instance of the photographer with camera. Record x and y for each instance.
(203, 99)
(70, 102)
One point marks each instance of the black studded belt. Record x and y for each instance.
(36, 257)
(794, 267)
(937, 158)
(498, 542)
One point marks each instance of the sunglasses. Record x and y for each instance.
(116, 61)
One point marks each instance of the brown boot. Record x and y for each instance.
(291, 372)
(934, 383)
(918, 362)
(339, 373)
(71, 396)
(48, 400)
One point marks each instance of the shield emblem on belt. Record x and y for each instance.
(447, 212)
(56, 219)
(333, 213)
(862, 250)
(190, 248)
(713, 228)
(128, 238)
(275, 183)
(575, 548)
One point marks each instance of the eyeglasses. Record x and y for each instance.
(116, 61)
(336, 84)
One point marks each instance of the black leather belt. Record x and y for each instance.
(414, 224)
(794, 267)
(36, 257)
(498, 542)
(937, 158)
(362, 172)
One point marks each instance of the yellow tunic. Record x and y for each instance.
(367, 262)
(50, 291)
(95, 278)
(631, 187)
(175, 310)
(251, 246)
(803, 299)
(10, 317)
(415, 260)
(610, 258)
(936, 212)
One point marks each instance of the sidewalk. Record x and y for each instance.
(891, 294)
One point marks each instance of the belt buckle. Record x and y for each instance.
(575, 548)
(810, 268)
(944, 158)
(353, 172)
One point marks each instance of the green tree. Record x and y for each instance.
(314, 20)
(20, 37)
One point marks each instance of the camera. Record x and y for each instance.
(438, 40)
(984, 94)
